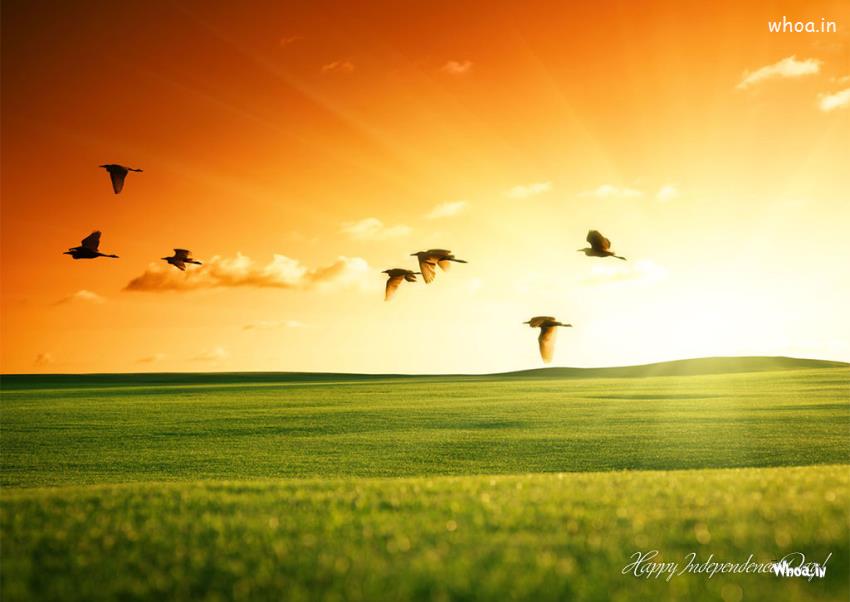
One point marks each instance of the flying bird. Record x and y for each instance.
(547, 326)
(117, 173)
(395, 277)
(88, 248)
(430, 259)
(599, 246)
(180, 259)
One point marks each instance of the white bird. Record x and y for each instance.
(180, 258)
(430, 259)
(117, 173)
(548, 328)
(395, 278)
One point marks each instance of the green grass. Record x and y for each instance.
(524, 486)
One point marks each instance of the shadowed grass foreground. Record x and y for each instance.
(535, 537)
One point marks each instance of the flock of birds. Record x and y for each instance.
(428, 260)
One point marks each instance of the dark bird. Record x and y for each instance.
(547, 326)
(180, 259)
(430, 259)
(599, 246)
(395, 278)
(88, 248)
(117, 173)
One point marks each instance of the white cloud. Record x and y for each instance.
(371, 228)
(271, 324)
(666, 193)
(527, 190)
(457, 68)
(447, 209)
(837, 100)
(787, 67)
(609, 191)
(643, 270)
(338, 66)
(242, 271)
(84, 296)
(213, 354)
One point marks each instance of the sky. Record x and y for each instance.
(300, 148)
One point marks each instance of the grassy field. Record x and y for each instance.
(524, 486)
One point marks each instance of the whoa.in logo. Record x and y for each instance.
(787, 568)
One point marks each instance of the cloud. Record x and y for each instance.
(371, 228)
(787, 67)
(338, 67)
(271, 324)
(213, 354)
(84, 296)
(666, 193)
(287, 40)
(837, 100)
(457, 68)
(643, 270)
(528, 190)
(44, 359)
(609, 191)
(151, 359)
(447, 209)
(239, 271)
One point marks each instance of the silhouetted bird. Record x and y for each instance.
(117, 173)
(430, 259)
(547, 326)
(180, 259)
(599, 246)
(395, 277)
(88, 248)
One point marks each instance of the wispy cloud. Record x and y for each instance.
(338, 67)
(609, 191)
(287, 40)
(272, 324)
(457, 68)
(836, 100)
(447, 209)
(151, 359)
(371, 228)
(242, 271)
(44, 359)
(667, 193)
(84, 296)
(528, 190)
(786, 68)
(213, 354)
(643, 270)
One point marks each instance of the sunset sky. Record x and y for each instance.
(300, 148)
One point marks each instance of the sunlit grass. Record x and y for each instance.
(535, 537)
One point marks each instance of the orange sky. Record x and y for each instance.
(275, 129)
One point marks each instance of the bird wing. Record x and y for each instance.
(92, 241)
(538, 321)
(427, 269)
(597, 241)
(547, 342)
(445, 264)
(178, 263)
(439, 252)
(117, 178)
(393, 283)
(181, 253)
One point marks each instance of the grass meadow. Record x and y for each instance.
(530, 486)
